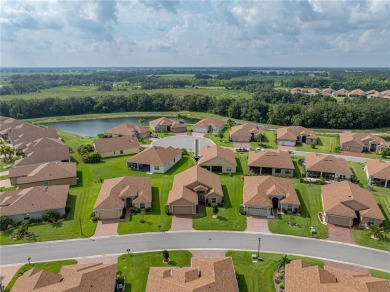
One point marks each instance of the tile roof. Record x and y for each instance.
(245, 130)
(112, 144)
(209, 121)
(33, 199)
(211, 152)
(126, 130)
(7, 125)
(259, 190)
(328, 91)
(361, 138)
(357, 92)
(114, 190)
(155, 155)
(378, 168)
(291, 133)
(326, 163)
(342, 91)
(205, 274)
(270, 158)
(84, 277)
(302, 277)
(29, 132)
(165, 122)
(337, 196)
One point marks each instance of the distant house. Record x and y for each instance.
(244, 133)
(270, 162)
(167, 125)
(28, 132)
(191, 187)
(356, 93)
(49, 173)
(122, 193)
(386, 93)
(376, 94)
(378, 172)
(128, 130)
(155, 159)
(345, 202)
(25, 204)
(205, 274)
(217, 159)
(315, 91)
(298, 90)
(303, 277)
(7, 125)
(97, 277)
(328, 167)
(289, 136)
(340, 93)
(327, 92)
(110, 147)
(203, 126)
(360, 142)
(262, 194)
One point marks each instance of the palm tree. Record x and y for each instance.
(3, 152)
(379, 233)
(230, 122)
(141, 121)
(283, 261)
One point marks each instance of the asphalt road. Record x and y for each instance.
(55, 250)
(347, 158)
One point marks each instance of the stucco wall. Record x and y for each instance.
(33, 215)
(126, 151)
(66, 181)
(219, 162)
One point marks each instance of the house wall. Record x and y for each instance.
(108, 213)
(286, 143)
(339, 220)
(285, 206)
(165, 168)
(57, 182)
(220, 162)
(257, 211)
(126, 151)
(240, 138)
(351, 146)
(179, 130)
(283, 172)
(199, 130)
(147, 205)
(33, 215)
(182, 207)
(364, 220)
(213, 195)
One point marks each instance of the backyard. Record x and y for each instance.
(325, 144)
(267, 141)
(225, 141)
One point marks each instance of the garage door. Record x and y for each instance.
(343, 221)
(256, 211)
(286, 143)
(182, 210)
(108, 214)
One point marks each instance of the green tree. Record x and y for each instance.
(283, 261)
(380, 233)
(141, 121)
(230, 122)
(5, 222)
(215, 209)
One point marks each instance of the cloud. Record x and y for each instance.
(158, 5)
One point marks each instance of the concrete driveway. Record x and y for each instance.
(286, 148)
(6, 183)
(340, 234)
(242, 145)
(187, 142)
(3, 173)
(107, 227)
(181, 223)
(257, 224)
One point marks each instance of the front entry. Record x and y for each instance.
(129, 202)
(303, 139)
(275, 202)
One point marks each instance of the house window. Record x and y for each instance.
(213, 200)
(289, 207)
(278, 170)
(229, 169)
(142, 205)
(26, 216)
(114, 152)
(45, 183)
(371, 221)
(342, 176)
(120, 151)
(156, 167)
(287, 171)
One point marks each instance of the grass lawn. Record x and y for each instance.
(135, 267)
(325, 144)
(380, 274)
(53, 267)
(7, 165)
(374, 156)
(268, 140)
(259, 276)
(225, 140)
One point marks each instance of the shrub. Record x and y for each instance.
(135, 210)
(149, 209)
(92, 157)
(67, 209)
(167, 212)
(215, 209)
(51, 215)
(281, 285)
(312, 146)
(22, 231)
(94, 219)
(184, 151)
(5, 222)
(165, 255)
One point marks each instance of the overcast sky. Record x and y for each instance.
(195, 33)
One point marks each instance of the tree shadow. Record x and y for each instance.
(80, 178)
(222, 218)
(387, 220)
(304, 211)
(242, 285)
(72, 202)
(156, 209)
(297, 171)
(239, 169)
(57, 225)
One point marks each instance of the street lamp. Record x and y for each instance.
(258, 249)
(159, 227)
(128, 251)
(29, 259)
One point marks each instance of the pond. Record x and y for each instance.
(90, 128)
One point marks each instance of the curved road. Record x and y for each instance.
(55, 250)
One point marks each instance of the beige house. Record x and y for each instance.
(244, 133)
(217, 159)
(155, 159)
(127, 130)
(28, 132)
(345, 202)
(328, 167)
(303, 277)
(110, 147)
(50, 173)
(340, 93)
(203, 126)
(327, 92)
(296, 90)
(289, 136)
(167, 125)
(362, 142)
(378, 172)
(25, 204)
(205, 274)
(97, 277)
(262, 194)
(191, 187)
(270, 162)
(121, 193)
(356, 93)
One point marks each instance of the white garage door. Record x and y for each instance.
(182, 210)
(256, 211)
(286, 143)
(108, 214)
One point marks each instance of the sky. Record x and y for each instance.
(187, 33)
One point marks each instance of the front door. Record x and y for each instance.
(129, 202)
(275, 202)
(303, 139)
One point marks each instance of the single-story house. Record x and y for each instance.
(25, 204)
(213, 124)
(118, 194)
(356, 93)
(289, 136)
(205, 274)
(97, 277)
(345, 202)
(377, 94)
(7, 125)
(191, 187)
(328, 167)
(386, 93)
(110, 147)
(244, 133)
(340, 93)
(49, 173)
(378, 172)
(167, 125)
(29, 132)
(128, 130)
(315, 91)
(262, 194)
(327, 92)
(217, 159)
(362, 142)
(271, 162)
(296, 90)
(155, 159)
(303, 277)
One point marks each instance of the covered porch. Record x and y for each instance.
(260, 170)
(138, 166)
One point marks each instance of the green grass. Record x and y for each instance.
(380, 274)
(374, 156)
(225, 141)
(7, 165)
(53, 267)
(4, 177)
(135, 267)
(259, 276)
(165, 134)
(268, 140)
(325, 144)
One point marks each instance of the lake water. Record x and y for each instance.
(93, 127)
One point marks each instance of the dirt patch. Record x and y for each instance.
(107, 227)
(340, 234)
(181, 222)
(257, 224)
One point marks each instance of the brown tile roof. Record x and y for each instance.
(386, 93)
(376, 95)
(127, 130)
(30, 132)
(155, 155)
(112, 144)
(205, 274)
(209, 121)
(211, 152)
(6, 126)
(378, 168)
(336, 196)
(258, 190)
(165, 122)
(291, 133)
(245, 130)
(270, 158)
(361, 138)
(43, 172)
(342, 91)
(357, 92)
(84, 277)
(114, 190)
(328, 91)
(33, 199)
(302, 277)
(371, 92)
(326, 163)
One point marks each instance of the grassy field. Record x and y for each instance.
(325, 144)
(268, 140)
(225, 142)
